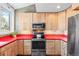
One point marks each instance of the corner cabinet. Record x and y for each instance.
(9, 50)
(53, 47)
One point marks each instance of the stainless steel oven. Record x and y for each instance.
(38, 48)
(38, 44)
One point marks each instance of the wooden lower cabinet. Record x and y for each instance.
(24, 47)
(9, 50)
(50, 47)
(53, 47)
(57, 45)
(27, 47)
(20, 45)
(14, 48)
(63, 48)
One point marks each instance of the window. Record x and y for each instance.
(4, 20)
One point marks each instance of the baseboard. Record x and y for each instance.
(23, 55)
(53, 55)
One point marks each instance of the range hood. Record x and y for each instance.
(45, 7)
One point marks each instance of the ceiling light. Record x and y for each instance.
(58, 7)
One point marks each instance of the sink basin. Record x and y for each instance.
(1, 43)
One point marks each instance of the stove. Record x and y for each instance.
(38, 44)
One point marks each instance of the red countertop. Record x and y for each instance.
(56, 37)
(8, 39)
(24, 36)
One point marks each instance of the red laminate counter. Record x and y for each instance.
(56, 37)
(8, 39)
(24, 36)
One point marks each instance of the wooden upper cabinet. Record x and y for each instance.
(25, 21)
(73, 10)
(62, 21)
(38, 17)
(28, 21)
(75, 6)
(51, 21)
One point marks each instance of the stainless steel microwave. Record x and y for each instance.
(38, 25)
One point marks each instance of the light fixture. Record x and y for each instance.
(58, 7)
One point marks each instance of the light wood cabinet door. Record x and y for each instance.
(9, 50)
(51, 21)
(14, 48)
(24, 21)
(6, 53)
(38, 17)
(6, 50)
(27, 47)
(63, 48)
(53, 47)
(57, 47)
(20, 44)
(50, 47)
(62, 21)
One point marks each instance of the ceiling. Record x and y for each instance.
(19, 5)
(41, 7)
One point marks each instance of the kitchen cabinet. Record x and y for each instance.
(20, 45)
(27, 21)
(63, 48)
(53, 47)
(50, 47)
(38, 17)
(57, 47)
(62, 21)
(51, 21)
(14, 48)
(27, 47)
(23, 22)
(9, 50)
(24, 47)
(69, 12)
(6, 51)
(73, 10)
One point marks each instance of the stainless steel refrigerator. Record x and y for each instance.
(73, 36)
